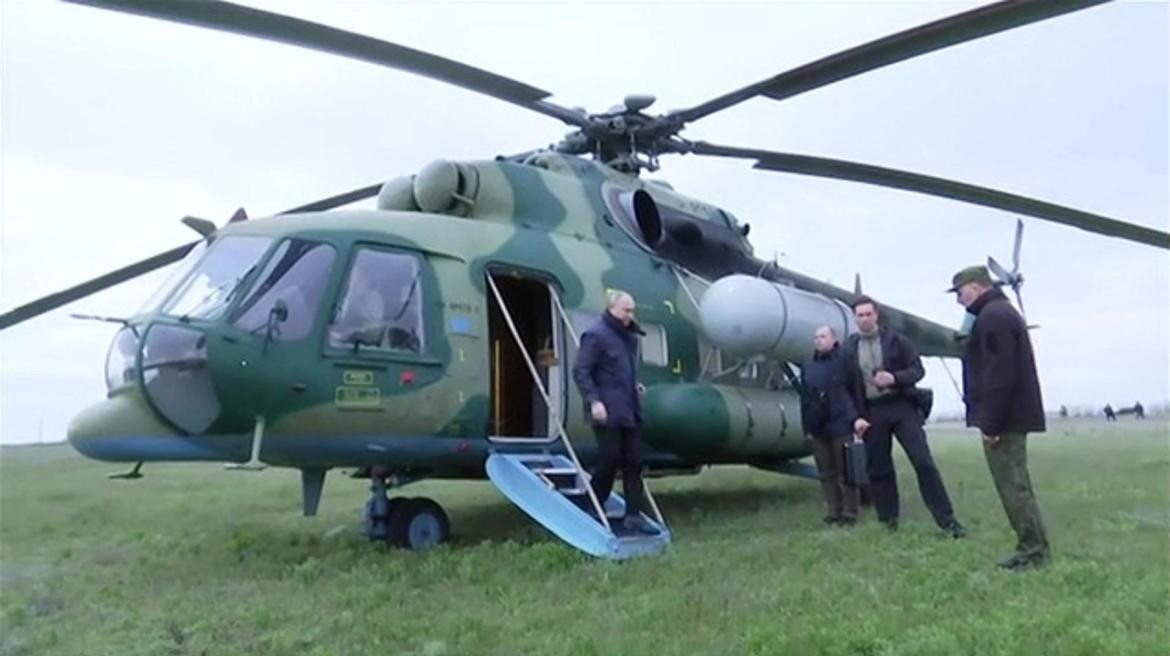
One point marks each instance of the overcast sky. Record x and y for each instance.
(115, 126)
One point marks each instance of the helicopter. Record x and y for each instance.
(459, 243)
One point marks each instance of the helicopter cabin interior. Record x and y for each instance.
(517, 408)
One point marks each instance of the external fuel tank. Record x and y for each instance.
(747, 316)
(722, 422)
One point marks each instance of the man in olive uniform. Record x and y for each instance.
(1002, 394)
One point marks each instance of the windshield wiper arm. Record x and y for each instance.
(94, 317)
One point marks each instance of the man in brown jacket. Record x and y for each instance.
(1002, 394)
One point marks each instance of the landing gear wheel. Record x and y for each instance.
(418, 524)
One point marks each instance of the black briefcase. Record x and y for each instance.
(853, 455)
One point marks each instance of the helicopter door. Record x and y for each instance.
(517, 409)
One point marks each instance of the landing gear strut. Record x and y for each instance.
(413, 523)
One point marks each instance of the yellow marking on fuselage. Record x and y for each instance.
(357, 397)
(357, 377)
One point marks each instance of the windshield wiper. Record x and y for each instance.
(409, 296)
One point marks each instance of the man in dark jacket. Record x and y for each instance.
(606, 372)
(827, 412)
(883, 367)
(1002, 393)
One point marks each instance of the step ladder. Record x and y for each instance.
(554, 489)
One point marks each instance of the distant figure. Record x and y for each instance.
(883, 368)
(827, 412)
(606, 372)
(1064, 412)
(1002, 393)
(1109, 414)
(1138, 411)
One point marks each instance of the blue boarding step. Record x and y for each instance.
(551, 490)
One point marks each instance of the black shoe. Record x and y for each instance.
(1023, 563)
(1029, 563)
(1011, 563)
(639, 525)
(831, 520)
(954, 529)
(890, 524)
(846, 521)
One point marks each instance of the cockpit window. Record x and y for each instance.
(381, 307)
(206, 292)
(185, 265)
(296, 276)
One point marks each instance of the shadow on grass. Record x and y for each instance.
(682, 508)
(734, 501)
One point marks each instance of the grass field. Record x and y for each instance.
(194, 559)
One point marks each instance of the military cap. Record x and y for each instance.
(977, 273)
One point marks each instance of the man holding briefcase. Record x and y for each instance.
(827, 413)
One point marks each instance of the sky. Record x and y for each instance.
(113, 127)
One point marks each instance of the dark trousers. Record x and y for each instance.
(619, 446)
(841, 499)
(897, 418)
(1008, 462)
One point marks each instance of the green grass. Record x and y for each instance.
(196, 560)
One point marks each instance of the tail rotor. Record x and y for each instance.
(1013, 278)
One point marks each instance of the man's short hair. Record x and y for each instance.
(863, 300)
(829, 328)
(615, 295)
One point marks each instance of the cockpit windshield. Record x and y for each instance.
(218, 277)
(177, 274)
(295, 279)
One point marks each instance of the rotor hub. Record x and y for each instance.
(626, 139)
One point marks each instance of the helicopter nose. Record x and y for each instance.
(123, 428)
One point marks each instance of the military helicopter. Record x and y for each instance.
(387, 340)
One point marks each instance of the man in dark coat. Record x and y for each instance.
(1002, 393)
(883, 368)
(606, 372)
(827, 413)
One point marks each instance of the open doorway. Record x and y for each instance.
(517, 408)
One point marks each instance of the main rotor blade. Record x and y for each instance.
(229, 17)
(338, 200)
(920, 40)
(884, 177)
(53, 301)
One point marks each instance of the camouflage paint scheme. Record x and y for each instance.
(546, 216)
